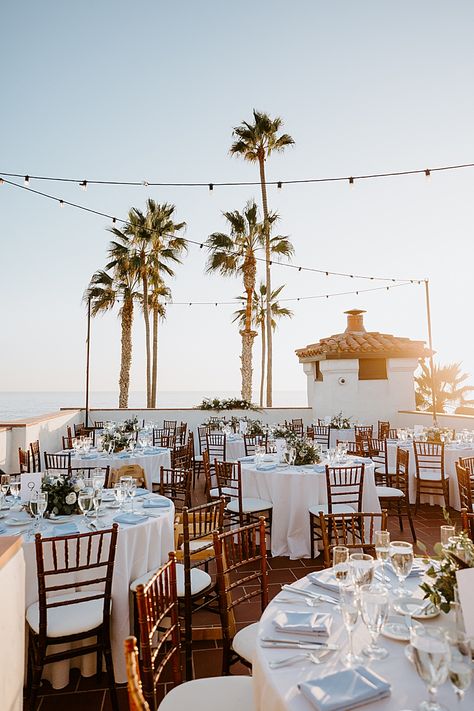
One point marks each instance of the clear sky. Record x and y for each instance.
(152, 89)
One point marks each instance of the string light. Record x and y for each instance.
(211, 186)
(27, 180)
(351, 182)
(279, 183)
(61, 203)
(83, 185)
(313, 270)
(1, 181)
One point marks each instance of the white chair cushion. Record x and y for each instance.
(232, 693)
(200, 543)
(245, 642)
(226, 491)
(336, 508)
(249, 505)
(389, 492)
(200, 580)
(431, 475)
(69, 619)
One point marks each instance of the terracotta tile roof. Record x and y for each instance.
(346, 345)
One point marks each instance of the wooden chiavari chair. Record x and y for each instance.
(468, 463)
(67, 442)
(251, 441)
(164, 438)
(63, 615)
(297, 425)
(170, 425)
(136, 700)
(133, 470)
(464, 487)
(431, 479)
(181, 457)
(397, 497)
(24, 460)
(157, 604)
(353, 530)
(86, 432)
(202, 439)
(175, 484)
(35, 456)
(181, 432)
(344, 487)
(366, 431)
(99, 424)
(216, 445)
(467, 522)
(379, 456)
(392, 433)
(57, 461)
(321, 435)
(241, 559)
(383, 429)
(229, 484)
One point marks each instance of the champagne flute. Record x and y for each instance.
(132, 490)
(362, 569)
(15, 491)
(460, 664)
(42, 506)
(401, 557)
(97, 500)
(340, 565)
(119, 495)
(85, 501)
(382, 549)
(350, 615)
(430, 655)
(5, 483)
(374, 603)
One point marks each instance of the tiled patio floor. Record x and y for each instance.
(87, 695)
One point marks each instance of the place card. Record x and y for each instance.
(30, 484)
(465, 580)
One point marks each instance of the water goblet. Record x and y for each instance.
(460, 664)
(401, 558)
(362, 569)
(374, 602)
(331, 455)
(85, 502)
(15, 491)
(340, 564)
(96, 501)
(350, 615)
(430, 654)
(446, 532)
(119, 495)
(382, 549)
(38, 505)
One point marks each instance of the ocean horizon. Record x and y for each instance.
(16, 405)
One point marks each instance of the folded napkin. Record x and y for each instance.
(67, 529)
(249, 458)
(130, 518)
(123, 455)
(156, 503)
(320, 468)
(344, 690)
(266, 466)
(325, 579)
(92, 455)
(2, 529)
(305, 622)
(141, 492)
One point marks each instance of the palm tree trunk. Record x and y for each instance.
(146, 316)
(154, 372)
(126, 352)
(268, 312)
(262, 374)
(247, 333)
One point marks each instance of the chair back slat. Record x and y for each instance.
(383, 429)
(35, 456)
(429, 456)
(344, 485)
(57, 461)
(216, 445)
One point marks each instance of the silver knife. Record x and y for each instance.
(298, 644)
(308, 593)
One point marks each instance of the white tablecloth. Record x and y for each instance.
(235, 448)
(451, 455)
(151, 463)
(292, 491)
(277, 689)
(140, 548)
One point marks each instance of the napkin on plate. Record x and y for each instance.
(344, 690)
(130, 518)
(306, 622)
(266, 466)
(325, 579)
(66, 529)
(156, 503)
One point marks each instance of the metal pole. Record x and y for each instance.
(88, 352)
(430, 345)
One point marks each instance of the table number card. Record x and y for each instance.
(465, 580)
(30, 483)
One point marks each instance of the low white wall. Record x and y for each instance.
(408, 418)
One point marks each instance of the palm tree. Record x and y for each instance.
(449, 391)
(159, 294)
(105, 290)
(235, 253)
(259, 320)
(255, 143)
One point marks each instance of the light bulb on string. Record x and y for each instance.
(211, 187)
(279, 184)
(83, 185)
(351, 182)
(61, 203)
(428, 173)
(27, 181)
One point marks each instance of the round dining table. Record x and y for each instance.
(151, 459)
(277, 688)
(452, 453)
(292, 490)
(140, 547)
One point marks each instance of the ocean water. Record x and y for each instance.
(17, 405)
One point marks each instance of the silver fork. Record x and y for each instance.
(287, 661)
(309, 601)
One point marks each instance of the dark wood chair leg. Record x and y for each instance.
(111, 676)
(400, 519)
(410, 521)
(36, 674)
(311, 533)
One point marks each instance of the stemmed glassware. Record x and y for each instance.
(430, 654)
(374, 604)
(401, 558)
(446, 532)
(340, 564)
(119, 494)
(350, 615)
(132, 490)
(38, 505)
(382, 549)
(15, 491)
(362, 569)
(85, 502)
(5, 483)
(460, 664)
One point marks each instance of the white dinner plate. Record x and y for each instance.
(397, 631)
(59, 520)
(406, 606)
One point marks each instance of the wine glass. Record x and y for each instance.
(340, 564)
(5, 483)
(350, 615)
(119, 493)
(429, 652)
(97, 500)
(401, 557)
(38, 505)
(15, 491)
(132, 490)
(460, 664)
(382, 549)
(446, 532)
(362, 569)
(374, 602)
(85, 502)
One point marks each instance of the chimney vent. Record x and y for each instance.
(355, 321)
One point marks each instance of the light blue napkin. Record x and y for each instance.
(249, 458)
(344, 690)
(266, 467)
(94, 455)
(66, 529)
(141, 492)
(130, 518)
(2, 529)
(156, 504)
(123, 455)
(319, 468)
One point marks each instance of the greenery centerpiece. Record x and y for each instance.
(339, 422)
(62, 494)
(116, 435)
(131, 425)
(305, 451)
(438, 434)
(458, 554)
(232, 403)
